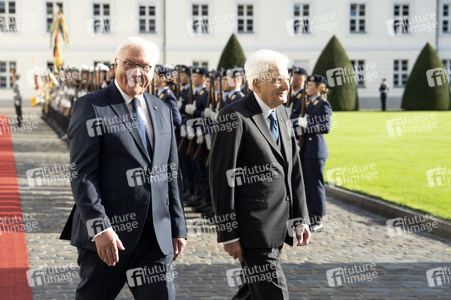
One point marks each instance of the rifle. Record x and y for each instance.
(212, 96)
(153, 87)
(183, 146)
(200, 151)
(290, 92)
(179, 83)
(303, 107)
(221, 90)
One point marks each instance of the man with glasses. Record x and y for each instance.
(128, 221)
(256, 179)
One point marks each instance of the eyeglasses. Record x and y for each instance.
(128, 65)
(279, 80)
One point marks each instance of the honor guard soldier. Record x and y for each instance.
(162, 79)
(299, 78)
(232, 81)
(186, 162)
(202, 202)
(211, 112)
(200, 93)
(316, 122)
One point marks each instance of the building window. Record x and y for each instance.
(7, 68)
(446, 18)
(400, 73)
(200, 18)
(447, 65)
(200, 64)
(245, 18)
(101, 18)
(357, 18)
(8, 16)
(401, 19)
(301, 23)
(50, 10)
(359, 71)
(147, 19)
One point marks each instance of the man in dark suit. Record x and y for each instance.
(256, 179)
(124, 154)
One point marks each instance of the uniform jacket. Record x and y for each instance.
(319, 113)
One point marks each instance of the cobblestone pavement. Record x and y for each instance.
(391, 267)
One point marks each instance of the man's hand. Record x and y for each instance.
(107, 244)
(179, 245)
(234, 250)
(302, 235)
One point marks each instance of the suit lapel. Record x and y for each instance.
(284, 135)
(118, 105)
(261, 123)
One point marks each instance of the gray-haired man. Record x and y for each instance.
(256, 179)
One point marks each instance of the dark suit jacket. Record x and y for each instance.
(319, 123)
(262, 207)
(103, 187)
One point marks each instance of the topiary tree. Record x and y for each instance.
(232, 56)
(427, 87)
(334, 64)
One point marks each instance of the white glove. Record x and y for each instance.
(183, 131)
(200, 136)
(191, 133)
(190, 108)
(302, 121)
(214, 115)
(208, 141)
(207, 112)
(179, 103)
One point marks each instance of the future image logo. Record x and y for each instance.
(437, 77)
(438, 176)
(410, 224)
(349, 275)
(438, 276)
(249, 175)
(411, 124)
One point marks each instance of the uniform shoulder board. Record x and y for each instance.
(298, 96)
(161, 96)
(202, 92)
(233, 97)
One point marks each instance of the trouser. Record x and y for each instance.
(262, 276)
(19, 114)
(383, 101)
(315, 193)
(148, 272)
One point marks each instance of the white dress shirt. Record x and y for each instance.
(142, 110)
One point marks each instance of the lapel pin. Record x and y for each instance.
(155, 107)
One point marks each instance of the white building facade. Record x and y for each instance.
(382, 38)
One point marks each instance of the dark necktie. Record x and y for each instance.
(141, 128)
(273, 126)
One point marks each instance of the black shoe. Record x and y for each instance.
(203, 209)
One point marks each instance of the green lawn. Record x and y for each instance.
(362, 141)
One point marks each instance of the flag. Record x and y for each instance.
(56, 27)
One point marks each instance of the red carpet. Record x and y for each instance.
(13, 247)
